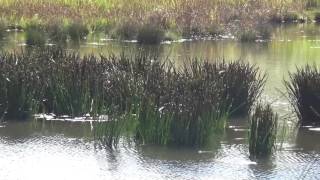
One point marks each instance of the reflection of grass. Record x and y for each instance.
(2, 29)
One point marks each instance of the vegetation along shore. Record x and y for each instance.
(154, 21)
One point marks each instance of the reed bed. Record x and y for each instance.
(263, 129)
(188, 18)
(156, 101)
(303, 91)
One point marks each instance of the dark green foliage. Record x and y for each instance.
(304, 93)
(263, 129)
(77, 31)
(150, 34)
(35, 35)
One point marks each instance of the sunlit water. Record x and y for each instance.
(66, 150)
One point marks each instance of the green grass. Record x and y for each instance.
(263, 129)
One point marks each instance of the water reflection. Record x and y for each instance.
(308, 140)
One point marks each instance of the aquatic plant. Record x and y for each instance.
(166, 104)
(150, 34)
(58, 33)
(77, 31)
(35, 35)
(127, 30)
(247, 36)
(303, 92)
(20, 86)
(263, 129)
(242, 84)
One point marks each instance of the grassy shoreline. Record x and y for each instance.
(246, 19)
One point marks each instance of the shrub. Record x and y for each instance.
(263, 129)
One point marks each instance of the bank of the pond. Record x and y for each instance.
(153, 21)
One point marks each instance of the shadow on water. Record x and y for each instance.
(17, 130)
(307, 139)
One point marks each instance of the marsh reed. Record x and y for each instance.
(166, 104)
(303, 89)
(263, 129)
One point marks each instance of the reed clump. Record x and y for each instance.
(263, 129)
(35, 35)
(127, 30)
(20, 86)
(58, 33)
(77, 31)
(159, 102)
(150, 34)
(303, 92)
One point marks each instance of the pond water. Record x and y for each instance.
(66, 150)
